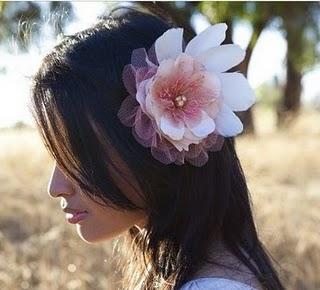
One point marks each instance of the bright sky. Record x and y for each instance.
(267, 61)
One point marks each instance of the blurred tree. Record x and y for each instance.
(302, 31)
(23, 20)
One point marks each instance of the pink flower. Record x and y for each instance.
(183, 99)
(181, 102)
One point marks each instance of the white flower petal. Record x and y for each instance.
(236, 91)
(185, 141)
(182, 144)
(190, 136)
(210, 37)
(221, 58)
(174, 131)
(169, 44)
(202, 128)
(227, 123)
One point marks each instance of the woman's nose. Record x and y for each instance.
(58, 184)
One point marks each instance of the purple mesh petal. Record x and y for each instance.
(152, 54)
(127, 111)
(201, 159)
(129, 79)
(143, 125)
(161, 155)
(143, 142)
(138, 57)
(214, 142)
(194, 151)
(141, 74)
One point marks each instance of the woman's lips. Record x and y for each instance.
(76, 217)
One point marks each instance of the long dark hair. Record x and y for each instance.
(76, 95)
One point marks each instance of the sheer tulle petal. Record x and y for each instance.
(214, 142)
(128, 110)
(143, 125)
(129, 79)
(200, 160)
(139, 57)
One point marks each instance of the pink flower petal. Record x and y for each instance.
(184, 64)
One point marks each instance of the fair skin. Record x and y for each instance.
(102, 223)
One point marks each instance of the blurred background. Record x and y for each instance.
(278, 148)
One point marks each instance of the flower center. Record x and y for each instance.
(180, 100)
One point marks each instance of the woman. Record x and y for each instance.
(187, 213)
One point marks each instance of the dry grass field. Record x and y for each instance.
(39, 250)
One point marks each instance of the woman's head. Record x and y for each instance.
(101, 168)
(76, 95)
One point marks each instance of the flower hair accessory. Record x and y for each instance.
(181, 99)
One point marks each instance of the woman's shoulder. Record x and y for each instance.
(214, 283)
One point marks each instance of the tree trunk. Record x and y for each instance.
(290, 104)
(293, 89)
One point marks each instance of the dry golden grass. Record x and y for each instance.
(39, 250)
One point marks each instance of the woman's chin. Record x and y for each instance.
(89, 237)
(92, 237)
